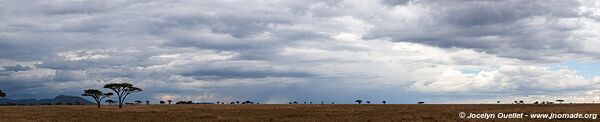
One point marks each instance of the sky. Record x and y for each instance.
(276, 51)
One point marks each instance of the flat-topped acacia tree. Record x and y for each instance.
(122, 90)
(358, 101)
(2, 94)
(97, 95)
(137, 102)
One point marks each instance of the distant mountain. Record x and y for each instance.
(60, 99)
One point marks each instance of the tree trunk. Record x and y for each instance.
(97, 102)
(120, 103)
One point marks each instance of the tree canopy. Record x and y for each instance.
(358, 101)
(2, 94)
(97, 95)
(122, 90)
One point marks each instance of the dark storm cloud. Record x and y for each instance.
(17, 68)
(236, 73)
(395, 2)
(72, 7)
(504, 27)
(481, 13)
(31, 83)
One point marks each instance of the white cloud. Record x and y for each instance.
(508, 79)
(206, 97)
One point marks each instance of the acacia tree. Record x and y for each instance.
(162, 102)
(358, 101)
(383, 102)
(560, 101)
(2, 94)
(122, 90)
(97, 95)
(110, 102)
(169, 101)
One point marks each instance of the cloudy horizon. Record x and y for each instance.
(272, 51)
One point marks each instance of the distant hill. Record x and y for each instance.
(62, 99)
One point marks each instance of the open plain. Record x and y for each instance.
(282, 112)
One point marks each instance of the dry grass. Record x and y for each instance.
(179, 113)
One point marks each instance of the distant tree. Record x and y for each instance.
(96, 94)
(516, 102)
(368, 102)
(237, 102)
(536, 102)
(169, 101)
(383, 102)
(218, 102)
(560, 101)
(184, 102)
(498, 102)
(322, 102)
(332, 102)
(295, 102)
(310, 103)
(147, 102)
(521, 102)
(162, 102)
(232, 103)
(420, 102)
(2, 94)
(138, 102)
(289, 102)
(122, 90)
(110, 102)
(358, 101)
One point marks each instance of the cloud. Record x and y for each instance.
(206, 97)
(17, 68)
(530, 99)
(529, 30)
(395, 2)
(517, 79)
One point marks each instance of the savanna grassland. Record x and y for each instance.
(262, 112)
